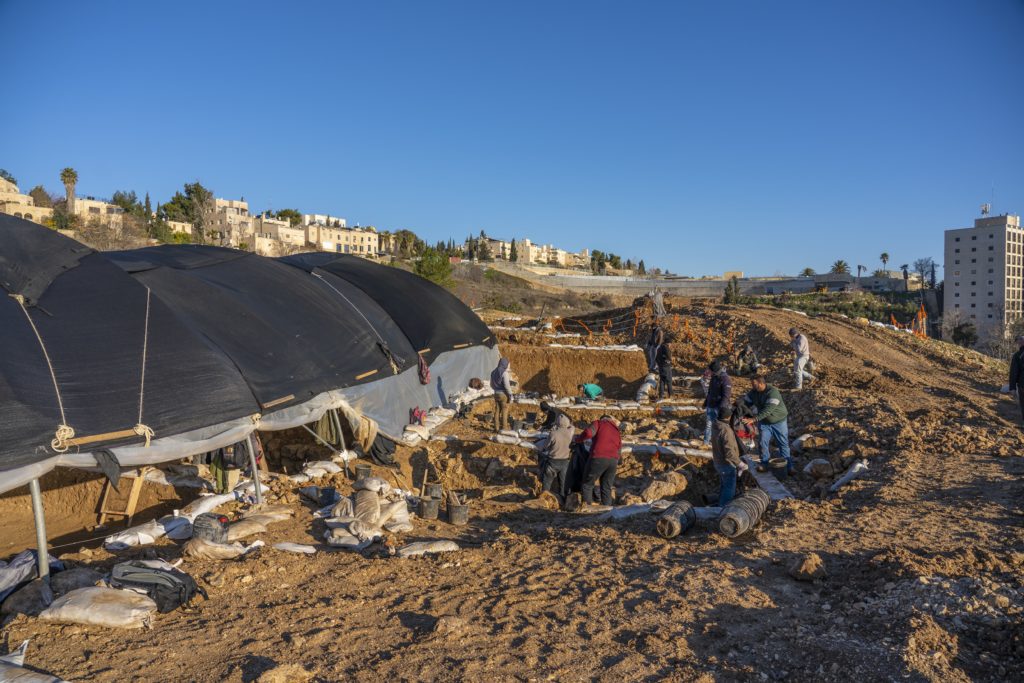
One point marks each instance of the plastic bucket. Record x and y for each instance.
(458, 514)
(777, 466)
(433, 491)
(428, 508)
(531, 417)
(363, 471)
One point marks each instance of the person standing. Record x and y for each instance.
(771, 415)
(802, 356)
(501, 382)
(1017, 375)
(654, 343)
(663, 360)
(725, 450)
(719, 396)
(557, 454)
(606, 442)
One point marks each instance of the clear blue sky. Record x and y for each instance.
(700, 136)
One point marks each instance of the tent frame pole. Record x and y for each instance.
(42, 551)
(251, 444)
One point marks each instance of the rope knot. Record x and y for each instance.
(20, 298)
(144, 431)
(61, 437)
(256, 417)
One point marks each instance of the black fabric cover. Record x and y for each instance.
(230, 334)
(290, 337)
(92, 321)
(430, 316)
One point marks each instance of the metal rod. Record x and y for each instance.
(251, 442)
(41, 546)
(317, 437)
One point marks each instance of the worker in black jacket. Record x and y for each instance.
(1017, 375)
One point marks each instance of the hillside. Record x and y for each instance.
(924, 555)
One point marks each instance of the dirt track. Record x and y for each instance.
(925, 559)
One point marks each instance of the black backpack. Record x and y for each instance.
(169, 588)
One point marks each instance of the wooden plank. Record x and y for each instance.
(767, 481)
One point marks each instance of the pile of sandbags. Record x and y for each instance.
(359, 520)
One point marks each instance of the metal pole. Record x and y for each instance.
(251, 442)
(41, 546)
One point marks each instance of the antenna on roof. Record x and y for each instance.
(985, 208)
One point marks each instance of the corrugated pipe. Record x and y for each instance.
(740, 515)
(676, 519)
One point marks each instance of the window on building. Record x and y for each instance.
(990, 315)
(957, 294)
(991, 248)
(957, 261)
(973, 283)
(956, 251)
(974, 305)
(956, 239)
(956, 305)
(974, 249)
(974, 260)
(974, 237)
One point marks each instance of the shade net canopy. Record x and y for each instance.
(189, 342)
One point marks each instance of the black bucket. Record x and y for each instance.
(428, 508)
(742, 513)
(458, 514)
(531, 417)
(778, 467)
(433, 491)
(363, 471)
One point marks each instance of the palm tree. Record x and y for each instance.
(807, 272)
(840, 267)
(860, 269)
(69, 177)
(884, 258)
(906, 276)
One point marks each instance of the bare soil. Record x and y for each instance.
(924, 555)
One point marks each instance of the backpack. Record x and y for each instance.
(169, 588)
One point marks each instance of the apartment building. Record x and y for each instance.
(13, 202)
(230, 223)
(91, 209)
(359, 241)
(983, 268)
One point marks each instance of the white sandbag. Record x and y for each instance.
(295, 548)
(70, 579)
(447, 413)
(279, 510)
(343, 508)
(397, 513)
(647, 388)
(299, 478)
(367, 506)
(207, 504)
(530, 434)
(339, 522)
(341, 538)
(314, 472)
(364, 531)
(418, 430)
(529, 445)
(144, 534)
(856, 470)
(624, 512)
(102, 607)
(433, 421)
(326, 465)
(201, 549)
(427, 548)
(505, 439)
(267, 519)
(375, 484)
(12, 669)
(243, 528)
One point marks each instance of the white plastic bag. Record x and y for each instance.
(295, 548)
(375, 484)
(367, 506)
(243, 528)
(102, 607)
(143, 534)
(201, 549)
(12, 669)
(856, 470)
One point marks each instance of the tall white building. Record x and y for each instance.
(983, 268)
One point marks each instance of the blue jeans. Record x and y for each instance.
(710, 415)
(727, 490)
(780, 430)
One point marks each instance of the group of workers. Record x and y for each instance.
(587, 462)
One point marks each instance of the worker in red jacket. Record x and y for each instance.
(606, 442)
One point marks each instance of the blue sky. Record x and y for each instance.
(699, 136)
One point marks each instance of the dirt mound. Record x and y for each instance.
(560, 370)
